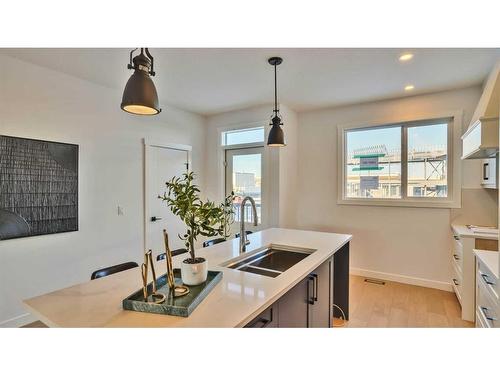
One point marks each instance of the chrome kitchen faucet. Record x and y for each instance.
(243, 234)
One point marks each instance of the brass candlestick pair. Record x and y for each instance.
(178, 290)
(157, 297)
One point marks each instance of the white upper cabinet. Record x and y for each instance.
(481, 138)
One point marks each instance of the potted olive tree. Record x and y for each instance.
(202, 218)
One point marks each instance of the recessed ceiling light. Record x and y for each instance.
(406, 57)
(409, 87)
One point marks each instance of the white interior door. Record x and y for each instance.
(163, 163)
(245, 177)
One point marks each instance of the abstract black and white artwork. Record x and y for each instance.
(38, 187)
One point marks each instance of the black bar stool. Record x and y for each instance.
(174, 253)
(237, 235)
(213, 242)
(113, 269)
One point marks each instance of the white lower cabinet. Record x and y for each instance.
(463, 266)
(487, 303)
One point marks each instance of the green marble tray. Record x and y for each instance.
(179, 306)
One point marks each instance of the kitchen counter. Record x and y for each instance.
(235, 301)
(490, 259)
(463, 231)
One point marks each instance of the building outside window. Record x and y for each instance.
(405, 161)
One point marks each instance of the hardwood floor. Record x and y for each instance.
(401, 305)
(36, 324)
(393, 305)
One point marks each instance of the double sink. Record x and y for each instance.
(269, 261)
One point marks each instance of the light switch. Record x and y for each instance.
(120, 211)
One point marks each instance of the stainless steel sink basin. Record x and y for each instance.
(270, 261)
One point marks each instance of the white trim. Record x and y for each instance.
(18, 321)
(454, 200)
(242, 125)
(149, 142)
(243, 145)
(441, 285)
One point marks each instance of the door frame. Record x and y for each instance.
(147, 144)
(271, 161)
(264, 219)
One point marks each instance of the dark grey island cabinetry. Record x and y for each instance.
(309, 304)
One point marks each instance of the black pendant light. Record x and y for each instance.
(139, 96)
(276, 136)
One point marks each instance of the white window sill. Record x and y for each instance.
(424, 203)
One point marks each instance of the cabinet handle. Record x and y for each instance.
(265, 322)
(485, 278)
(485, 312)
(310, 300)
(315, 286)
(455, 282)
(485, 171)
(456, 237)
(456, 257)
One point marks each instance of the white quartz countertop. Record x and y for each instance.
(490, 259)
(234, 302)
(463, 231)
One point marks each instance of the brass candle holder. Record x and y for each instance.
(179, 290)
(156, 297)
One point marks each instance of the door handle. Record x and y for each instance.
(456, 257)
(155, 218)
(455, 282)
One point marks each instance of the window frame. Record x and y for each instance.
(240, 129)
(453, 199)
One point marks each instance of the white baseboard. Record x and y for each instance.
(402, 279)
(18, 321)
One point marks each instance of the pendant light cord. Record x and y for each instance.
(275, 91)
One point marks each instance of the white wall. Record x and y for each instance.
(39, 103)
(411, 242)
(288, 170)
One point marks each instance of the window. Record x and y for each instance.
(373, 163)
(243, 136)
(404, 162)
(428, 161)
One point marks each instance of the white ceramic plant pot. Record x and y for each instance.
(194, 273)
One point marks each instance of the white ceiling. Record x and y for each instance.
(209, 81)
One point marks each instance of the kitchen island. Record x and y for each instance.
(239, 300)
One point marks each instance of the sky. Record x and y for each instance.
(418, 137)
